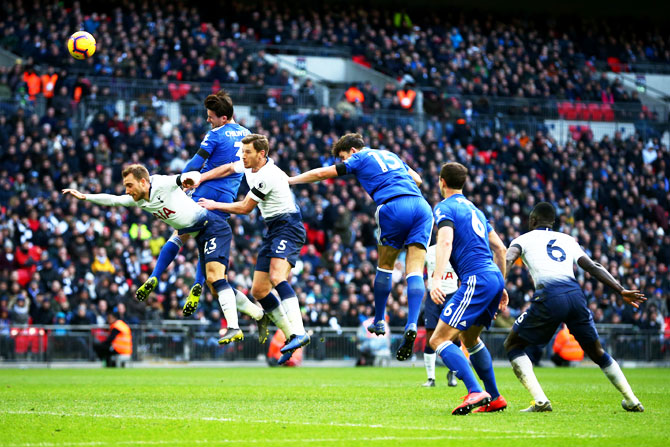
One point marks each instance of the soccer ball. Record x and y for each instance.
(81, 45)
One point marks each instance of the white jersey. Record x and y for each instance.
(449, 282)
(167, 202)
(549, 256)
(269, 187)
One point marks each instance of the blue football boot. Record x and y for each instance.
(295, 342)
(378, 328)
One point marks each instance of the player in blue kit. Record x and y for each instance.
(221, 145)
(550, 257)
(477, 255)
(403, 219)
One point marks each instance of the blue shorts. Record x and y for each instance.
(284, 239)
(476, 301)
(404, 220)
(539, 323)
(207, 192)
(213, 239)
(431, 311)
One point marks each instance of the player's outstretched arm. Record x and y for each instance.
(315, 175)
(76, 194)
(243, 207)
(632, 297)
(102, 199)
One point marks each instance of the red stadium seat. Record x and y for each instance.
(582, 112)
(570, 111)
(608, 112)
(595, 111)
(614, 63)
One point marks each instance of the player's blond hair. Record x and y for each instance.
(137, 170)
(259, 142)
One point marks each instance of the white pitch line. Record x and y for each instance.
(495, 432)
(268, 441)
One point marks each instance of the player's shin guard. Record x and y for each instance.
(167, 255)
(277, 314)
(291, 305)
(415, 293)
(481, 361)
(382, 289)
(613, 372)
(245, 306)
(523, 369)
(455, 360)
(227, 301)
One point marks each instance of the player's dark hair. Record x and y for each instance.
(544, 212)
(346, 142)
(454, 174)
(221, 104)
(138, 171)
(259, 142)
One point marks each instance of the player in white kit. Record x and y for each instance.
(431, 314)
(162, 196)
(285, 236)
(550, 256)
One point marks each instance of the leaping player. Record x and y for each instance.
(162, 196)
(403, 218)
(285, 236)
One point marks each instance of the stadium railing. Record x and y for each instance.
(183, 341)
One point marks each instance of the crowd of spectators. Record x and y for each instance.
(64, 261)
(451, 53)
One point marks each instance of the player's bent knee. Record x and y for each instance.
(260, 292)
(277, 277)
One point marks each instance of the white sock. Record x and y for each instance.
(280, 319)
(429, 361)
(614, 373)
(228, 306)
(523, 368)
(292, 307)
(245, 306)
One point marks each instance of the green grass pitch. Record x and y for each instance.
(317, 406)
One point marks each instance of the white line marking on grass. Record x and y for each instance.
(272, 441)
(512, 434)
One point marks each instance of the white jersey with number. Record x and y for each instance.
(269, 187)
(549, 256)
(449, 282)
(167, 202)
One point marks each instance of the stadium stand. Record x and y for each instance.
(612, 193)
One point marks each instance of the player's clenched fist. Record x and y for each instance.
(75, 193)
(190, 179)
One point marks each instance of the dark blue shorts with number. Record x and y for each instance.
(432, 311)
(547, 311)
(284, 239)
(213, 239)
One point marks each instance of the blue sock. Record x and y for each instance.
(382, 289)
(415, 293)
(166, 256)
(481, 360)
(455, 360)
(604, 361)
(269, 302)
(199, 274)
(285, 290)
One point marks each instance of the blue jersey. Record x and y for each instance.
(224, 145)
(470, 251)
(382, 174)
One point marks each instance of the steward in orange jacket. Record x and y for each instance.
(119, 341)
